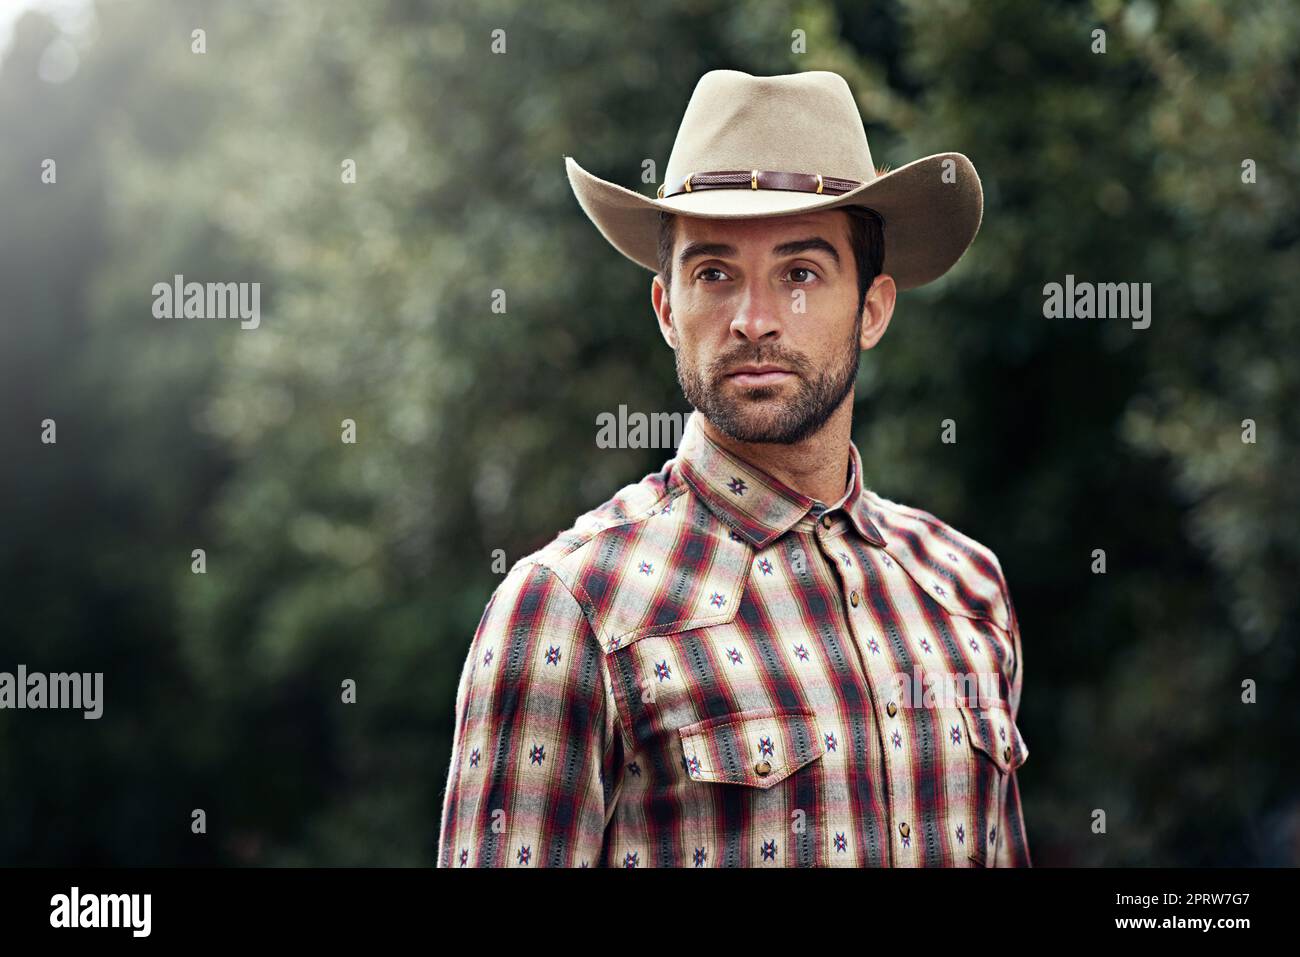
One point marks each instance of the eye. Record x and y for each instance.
(700, 274)
(802, 269)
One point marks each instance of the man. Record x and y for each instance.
(748, 658)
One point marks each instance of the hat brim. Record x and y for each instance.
(932, 212)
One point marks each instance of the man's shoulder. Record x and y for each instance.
(929, 530)
(591, 556)
(648, 560)
(958, 570)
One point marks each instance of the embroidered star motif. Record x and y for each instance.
(898, 740)
(952, 557)
(801, 652)
(701, 855)
(525, 854)
(464, 856)
(734, 655)
(845, 559)
(875, 648)
(646, 568)
(974, 645)
(473, 758)
(737, 485)
(631, 858)
(693, 766)
(717, 600)
(487, 657)
(552, 655)
(955, 734)
(765, 746)
(925, 645)
(765, 566)
(841, 844)
(830, 742)
(961, 834)
(634, 769)
(769, 850)
(939, 590)
(662, 671)
(538, 754)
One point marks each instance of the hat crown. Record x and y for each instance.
(798, 123)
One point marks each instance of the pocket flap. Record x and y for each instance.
(757, 748)
(993, 731)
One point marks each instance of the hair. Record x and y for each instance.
(866, 236)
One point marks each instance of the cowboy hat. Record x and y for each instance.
(756, 146)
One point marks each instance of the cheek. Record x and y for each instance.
(695, 353)
(698, 329)
(823, 339)
(703, 303)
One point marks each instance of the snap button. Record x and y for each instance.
(892, 709)
(826, 521)
(853, 599)
(904, 830)
(1006, 754)
(763, 769)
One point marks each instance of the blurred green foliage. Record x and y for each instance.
(476, 430)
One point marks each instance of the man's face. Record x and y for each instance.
(762, 315)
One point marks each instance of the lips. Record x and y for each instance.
(752, 375)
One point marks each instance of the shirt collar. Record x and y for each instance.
(757, 506)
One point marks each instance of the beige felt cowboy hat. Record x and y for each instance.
(754, 146)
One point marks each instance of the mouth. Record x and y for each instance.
(755, 375)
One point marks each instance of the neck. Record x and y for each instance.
(816, 466)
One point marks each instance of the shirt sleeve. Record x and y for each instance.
(1013, 848)
(536, 752)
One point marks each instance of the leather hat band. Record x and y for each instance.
(761, 179)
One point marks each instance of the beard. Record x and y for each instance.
(756, 413)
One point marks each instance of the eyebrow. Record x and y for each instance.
(694, 250)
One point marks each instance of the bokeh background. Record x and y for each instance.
(476, 430)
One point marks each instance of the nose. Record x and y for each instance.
(758, 315)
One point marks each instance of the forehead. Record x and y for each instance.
(829, 224)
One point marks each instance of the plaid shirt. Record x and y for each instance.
(713, 670)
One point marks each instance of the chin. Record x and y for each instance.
(754, 426)
(758, 393)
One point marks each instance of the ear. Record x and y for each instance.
(877, 310)
(663, 311)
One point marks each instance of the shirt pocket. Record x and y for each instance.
(753, 788)
(758, 748)
(997, 749)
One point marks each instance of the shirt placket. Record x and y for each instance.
(879, 668)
